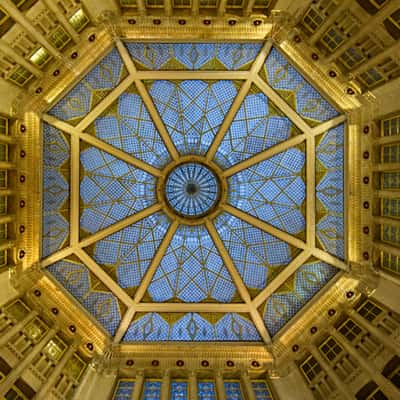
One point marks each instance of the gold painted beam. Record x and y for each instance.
(330, 259)
(124, 324)
(74, 190)
(162, 130)
(140, 292)
(243, 91)
(105, 103)
(191, 307)
(184, 75)
(326, 126)
(126, 58)
(283, 106)
(104, 277)
(241, 287)
(73, 131)
(265, 227)
(272, 151)
(287, 272)
(310, 190)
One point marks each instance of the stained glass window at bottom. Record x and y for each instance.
(124, 389)
(206, 390)
(261, 390)
(179, 390)
(232, 390)
(151, 390)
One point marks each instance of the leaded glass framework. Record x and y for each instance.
(238, 264)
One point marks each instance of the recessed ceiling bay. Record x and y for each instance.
(194, 184)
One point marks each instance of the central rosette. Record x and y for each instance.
(192, 189)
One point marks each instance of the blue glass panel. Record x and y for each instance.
(56, 167)
(179, 390)
(131, 129)
(291, 85)
(193, 56)
(191, 327)
(273, 191)
(104, 77)
(77, 279)
(124, 390)
(257, 126)
(261, 390)
(206, 390)
(131, 250)
(192, 269)
(329, 191)
(151, 390)
(192, 111)
(111, 190)
(256, 254)
(232, 390)
(308, 280)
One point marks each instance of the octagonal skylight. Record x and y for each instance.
(196, 189)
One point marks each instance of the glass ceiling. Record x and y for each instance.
(177, 192)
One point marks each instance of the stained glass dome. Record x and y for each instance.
(193, 192)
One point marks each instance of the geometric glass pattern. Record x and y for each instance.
(329, 191)
(173, 187)
(295, 292)
(273, 191)
(56, 170)
(191, 189)
(295, 90)
(191, 327)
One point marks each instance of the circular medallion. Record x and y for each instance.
(191, 190)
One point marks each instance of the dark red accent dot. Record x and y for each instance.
(366, 129)
(366, 205)
(37, 293)
(332, 74)
(22, 203)
(315, 56)
(182, 22)
(232, 22)
(157, 21)
(22, 153)
(56, 72)
(155, 363)
(349, 294)
(72, 328)
(180, 363)
(331, 312)
(350, 91)
(131, 21)
(366, 230)
(255, 364)
(22, 178)
(366, 180)
(295, 348)
(206, 21)
(21, 229)
(22, 128)
(257, 22)
(129, 363)
(74, 55)
(366, 155)
(366, 255)
(54, 310)
(21, 254)
(92, 37)
(89, 346)
(313, 330)
(230, 363)
(297, 39)
(205, 363)
(38, 90)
